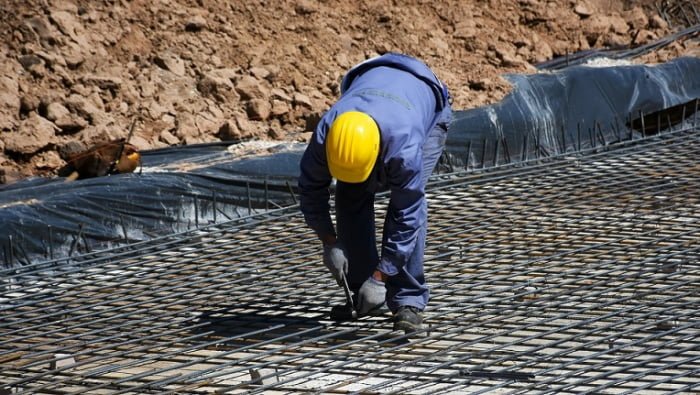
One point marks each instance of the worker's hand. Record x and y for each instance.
(371, 296)
(336, 260)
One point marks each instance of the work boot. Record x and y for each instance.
(408, 319)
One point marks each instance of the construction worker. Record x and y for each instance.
(386, 132)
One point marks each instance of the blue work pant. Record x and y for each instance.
(355, 222)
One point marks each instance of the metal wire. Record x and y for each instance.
(561, 275)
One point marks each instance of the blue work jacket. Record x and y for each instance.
(404, 98)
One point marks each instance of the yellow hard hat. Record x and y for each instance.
(352, 146)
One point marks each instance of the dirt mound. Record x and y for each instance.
(75, 73)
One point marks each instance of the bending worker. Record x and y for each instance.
(386, 132)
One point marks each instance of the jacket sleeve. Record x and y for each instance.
(314, 180)
(406, 214)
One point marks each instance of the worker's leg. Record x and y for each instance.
(354, 212)
(408, 287)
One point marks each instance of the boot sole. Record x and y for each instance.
(407, 327)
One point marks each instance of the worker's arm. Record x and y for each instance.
(314, 180)
(406, 214)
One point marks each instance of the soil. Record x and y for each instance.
(76, 73)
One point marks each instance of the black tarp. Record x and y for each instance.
(180, 188)
(577, 108)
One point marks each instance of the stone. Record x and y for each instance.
(48, 160)
(84, 108)
(70, 148)
(71, 123)
(168, 138)
(110, 83)
(195, 23)
(583, 10)
(279, 108)
(278, 93)
(29, 61)
(29, 103)
(41, 27)
(305, 7)
(302, 100)
(644, 36)
(10, 103)
(258, 109)
(71, 26)
(229, 131)
(171, 62)
(636, 18)
(55, 111)
(251, 88)
(218, 85)
(9, 174)
(34, 134)
(657, 22)
(260, 73)
(618, 24)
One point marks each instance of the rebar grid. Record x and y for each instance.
(574, 274)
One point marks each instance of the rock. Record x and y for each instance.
(278, 93)
(55, 111)
(29, 103)
(84, 108)
(305, 7)
(217, 84)
(71, 123)
(597, 26)
(41, 27)
(251, 88)
(168, 138)
(196, 23)
(657, 22)
(9, 174)
(29, 61)
(10, 103)
(171, 62)
(466, 29)
(583, 10)
(279, 108)
(481, 84)
(70, 148)
(74, 59)
(618, 24)
(644, 36)
(34, 134)
(140, 142)
(636, 18)
(276, 132)
(229, 131)
(110, 83)
(302, 100)
(258, 109)
(70, 26)
(260, 73)
(48, 160)
(51, 60)
(186, 126)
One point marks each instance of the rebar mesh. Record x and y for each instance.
(571, 274)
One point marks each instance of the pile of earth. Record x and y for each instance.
(77, 73)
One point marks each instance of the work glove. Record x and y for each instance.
(336, 261)
(371, 296)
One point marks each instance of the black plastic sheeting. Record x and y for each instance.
(578, 108)
(187, 187)
(178, 189)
